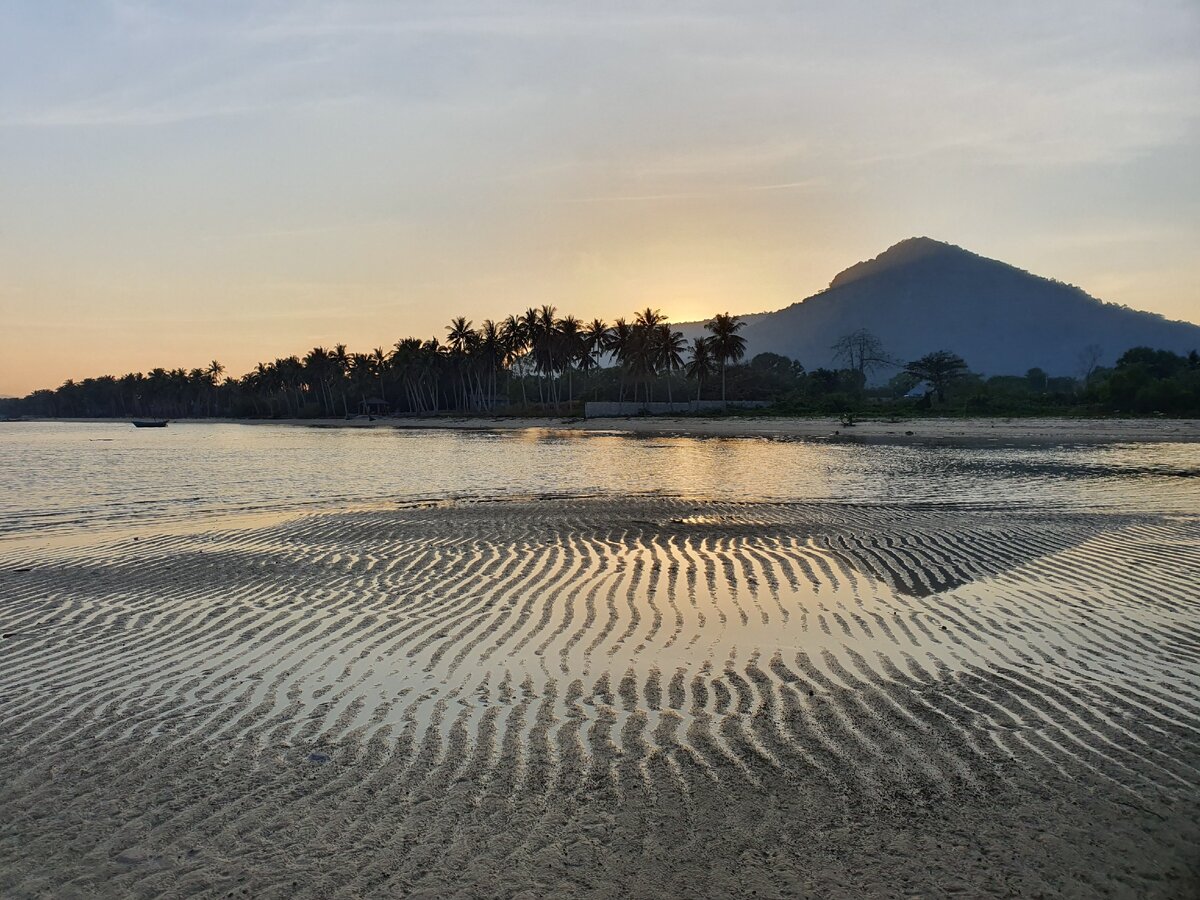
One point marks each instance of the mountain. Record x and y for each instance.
(922, 295)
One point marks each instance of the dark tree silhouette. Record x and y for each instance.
(1089, 362)
(861, 351)
(939, 369)
(700, 364)
(668, 349)
(541, 357)
(726, 344)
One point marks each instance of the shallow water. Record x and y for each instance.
(71, 476)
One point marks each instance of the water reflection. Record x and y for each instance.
(65, 476)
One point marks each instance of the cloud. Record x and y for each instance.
(290, 149)
(696, 195)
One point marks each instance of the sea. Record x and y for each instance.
(67, 477)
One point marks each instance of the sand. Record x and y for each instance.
(606, 698)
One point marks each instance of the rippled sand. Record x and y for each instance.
(643, 697)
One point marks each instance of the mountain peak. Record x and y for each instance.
(922, 295)
(906, 252)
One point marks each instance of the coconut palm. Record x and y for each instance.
(469, 371)
(545, 344)
(619, 343)
(641, 358)
(649, 319)
(434, 360)
(340, 368)
(701, 363)
(291, 373)
(595, 342)
(534, 340)
(380, 364)
(541, 328)
(569, 348)
(491, 358)
(461, 340)
(213, 373)
(405, 361)
(726, 344)
(364, 373)
(515, 342)
(318, 363)
(643, 352)
(459, 334)
(668, 352)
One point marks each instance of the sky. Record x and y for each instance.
(186, 181)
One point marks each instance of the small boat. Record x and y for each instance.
(149, 423)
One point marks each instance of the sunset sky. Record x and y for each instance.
(186, 181)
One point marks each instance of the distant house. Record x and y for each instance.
(918, 391)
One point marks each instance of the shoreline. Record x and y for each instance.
(952, 431)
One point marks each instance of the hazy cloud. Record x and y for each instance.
(473, 154)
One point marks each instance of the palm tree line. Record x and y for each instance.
(535, 358)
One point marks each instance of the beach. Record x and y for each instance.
(583, 451)
(615, 696)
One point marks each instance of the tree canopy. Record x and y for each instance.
(542, 362)
(861, 351)
(939, 368)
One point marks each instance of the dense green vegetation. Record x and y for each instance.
(1142, 382)
(538, 363)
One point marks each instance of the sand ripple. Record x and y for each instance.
(604, 695)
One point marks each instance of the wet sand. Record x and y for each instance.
(642, 697)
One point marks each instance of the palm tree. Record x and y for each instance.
(131, 389)
(515, 341)
(213, 374)
(531, 328)
(491, 357)
(379, 362)
(340, 367)
(701, 363)
(649, 318)
(595, 342)
(458, 334)
(641, 358)
(644, 351)
(319, 366)
(461, 340)
(541, 328)
(291, 374)
(545, 347)
(726, 344)
(668, 352)
(433, 360)
(407, 361)
(619, 343)
(569, 347)
(362, 373)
